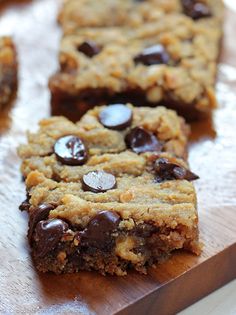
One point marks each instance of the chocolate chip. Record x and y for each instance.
(98, 181)
(25, 205)
(48, 235)
(196, 9)
(153, 55)
(39, 213)
(183, 173)
(165, 170)
(117, 117)
(99, 229)
(144, 230)
(140, 140)
(89, 48)
(70, 150)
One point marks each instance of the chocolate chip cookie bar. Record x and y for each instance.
(105, 13)
(106, 144)
(111, 192)
(170, 60)
(8, 71)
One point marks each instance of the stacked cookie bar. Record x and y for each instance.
(144, 52)
(111, 192)
(8, 71)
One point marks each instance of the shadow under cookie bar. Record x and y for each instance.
(8, 71)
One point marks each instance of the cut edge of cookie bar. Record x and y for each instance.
(139, 221)
(74, 106)
(8, 71)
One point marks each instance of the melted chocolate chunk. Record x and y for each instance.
(98, 181)
(183, 173)
(165, 170)
(98, 231)
(38, 214)
(48, 235)
(144, 230)
(140, 140)
(70, 150)
(89, 48)
(153, 55)
(196, 9)
(117, 117)
(25, 205)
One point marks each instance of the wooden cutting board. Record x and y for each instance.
(165, 290)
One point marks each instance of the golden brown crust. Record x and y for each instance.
(106, 147)
(138, 198)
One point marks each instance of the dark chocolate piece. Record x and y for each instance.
(153, 55)
(117, 117)
(140, 140)
(99, 229)
(183, 173)
(165, 170)
(48, 235)
(25, 205)
(38, 214)
(196, 9)
(98, 181)
(89, 48)
(70, 150)
(144, 230)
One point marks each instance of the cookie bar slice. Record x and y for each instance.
(88, 13)
(109, 223)
(111, 194)
(105, 147)
(8, 70)
(170, 61)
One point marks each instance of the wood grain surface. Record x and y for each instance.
(170, 287)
